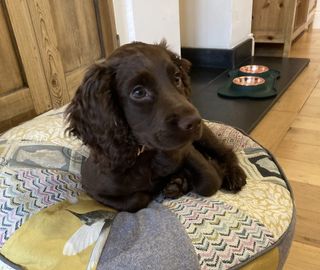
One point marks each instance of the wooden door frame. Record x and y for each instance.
(109, 34)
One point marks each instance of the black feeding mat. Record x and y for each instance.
(243, 113)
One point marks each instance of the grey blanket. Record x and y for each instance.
(152, 238)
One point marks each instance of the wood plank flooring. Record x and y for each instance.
(291, 130)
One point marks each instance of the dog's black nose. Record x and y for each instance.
(189, 122)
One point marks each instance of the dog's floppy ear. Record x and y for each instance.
(95, 117)
(184, 66)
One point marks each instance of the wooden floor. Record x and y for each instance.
(291, 130)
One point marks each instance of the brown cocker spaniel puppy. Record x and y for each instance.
(134, 113)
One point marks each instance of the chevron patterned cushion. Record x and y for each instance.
(42, 228)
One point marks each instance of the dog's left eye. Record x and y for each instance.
(139, 92)
(177, 79)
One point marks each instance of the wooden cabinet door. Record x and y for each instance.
(15, 96)
(49, 44)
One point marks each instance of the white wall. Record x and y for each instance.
(205, 23)
(241, 21)
(148, 21)
(316, 22)
(202, 23)
(214, 23)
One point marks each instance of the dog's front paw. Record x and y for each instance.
(177, 187)
(234, 179)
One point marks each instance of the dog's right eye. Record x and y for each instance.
(139, 92)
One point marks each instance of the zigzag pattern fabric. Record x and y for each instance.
(27, 191)
(222, 235)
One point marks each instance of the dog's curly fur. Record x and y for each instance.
(139, 100)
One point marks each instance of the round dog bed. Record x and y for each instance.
(48, 222)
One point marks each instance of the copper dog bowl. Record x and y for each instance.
(248, 81)
(254, 69)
